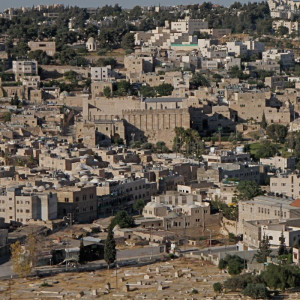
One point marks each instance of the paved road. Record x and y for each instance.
(6, 268)
(220, 249)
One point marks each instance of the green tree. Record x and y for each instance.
(107, 61)
(248, 190)
(277, 132)
(281, 276)
(235, 265)
(7, 117)
(139, 205)
(164, 89)
(282, 30)
(123, 220)
(82, 254)
(122, 88)
(222, 264)
(218, 287)
(107, 92)
(40, 56)
(264, 250)
(265, 149)
(160, 146)
(263, 123)
(110, 251)
(282, 248)
(188, 141)
(198, 80)
(71, 76)
(256, 291)
(147, 91)
(128, 41)
(15, 100)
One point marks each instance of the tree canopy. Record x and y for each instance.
(110, 251)
(248, 190)
(123, 220)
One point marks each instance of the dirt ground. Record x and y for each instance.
(183, 278)
(175, 279)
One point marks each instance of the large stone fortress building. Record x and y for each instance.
(144, 119)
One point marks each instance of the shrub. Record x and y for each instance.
(218, 287)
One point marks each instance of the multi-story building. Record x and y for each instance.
(236, 48)
(78, 203)
(286, 184)
(56, 162)
(114, 195)
(280, 162)
(102, 73)
(285, 57)
(20, 205)
(174, 211)
(225, 156)
(293, 27)
(25, 68)
(138, 64)
(267, 208)
(254, 232)
(219, 171)
(189, 25)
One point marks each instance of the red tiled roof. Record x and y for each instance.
(296, 203)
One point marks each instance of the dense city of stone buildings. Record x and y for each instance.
(193, 130)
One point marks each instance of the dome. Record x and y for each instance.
(95, 180)
(154, 204)
(40, 188)
(57, 186)
(91, 40)
(84, 178)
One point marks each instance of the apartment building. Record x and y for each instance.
(102, 73)
(280, 162)
(293, 27)
(219, 171)
(267, 208)
(118, 194)
(48, 47)
(137, 64)
(285, 57)
(56, 162)
(21, 205)
(225, 156)
(24, 120)
(174, 211)
(254, 231)
(189, 25)
(25, 68)
(79, 202)
(236, 48)
(286, 184)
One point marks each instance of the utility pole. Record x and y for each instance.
(9, 284)
(116, 273)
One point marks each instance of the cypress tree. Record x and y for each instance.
(263, 251)
(264, 123)
(110, 248)
(282, 248)
(82, 257)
